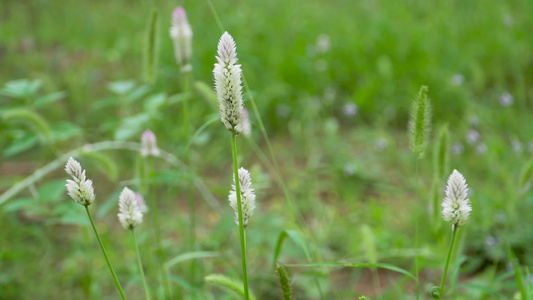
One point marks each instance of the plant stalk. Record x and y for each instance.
(105, 254)
(139, 262)
(441, 288)
(155, 219)
(239, 207)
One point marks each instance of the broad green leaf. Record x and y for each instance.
(64, 130)
(38, 123)
(44, 100)
(21, 144)
(52, 191)
(131, 126)
(19, 204)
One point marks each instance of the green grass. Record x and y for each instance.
(337, 171)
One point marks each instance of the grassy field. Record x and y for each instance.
(332, 83)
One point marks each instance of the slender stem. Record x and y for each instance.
(441, 288)
(416, 231)
(155, 214)
(239, 207)
(139, 262)
(188, 160)
(105, 254)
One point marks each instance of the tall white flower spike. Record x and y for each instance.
(181, 34)
(228, 84)
(456, 206)
(130, 214)
(79, 189)
(247, 197)
(149, 144)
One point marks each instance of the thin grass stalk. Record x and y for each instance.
(105, 254)
(186, 81)
(241, 223)
(149, 167)
(139, 262)
(416, 231)
(441, 288)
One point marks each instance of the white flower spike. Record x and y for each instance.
(149, 144)
(79, 189)
(456, 205)
(181, 34)
(228, 84)
(130, 214)
(247, 197)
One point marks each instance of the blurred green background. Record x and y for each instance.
(333, 82)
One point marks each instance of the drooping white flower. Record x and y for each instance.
(79, 189)
(149, 144)
(228, 84)
(246, 125)
(130, 214)
(181, 34)
(247, 197)
(456, 206)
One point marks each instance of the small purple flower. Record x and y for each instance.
(457, 148)
(140, 202)
(506, 99)
(149, 144)
(349, 109)
(348, 170)
(381, 143)
(517, 146)
(458, 79)
(481, 148)
(472, 136)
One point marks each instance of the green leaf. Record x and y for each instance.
(38, 123)
(21, 144)
(188, 256)
(153, 103)
(121, 88)
(44, 100)
(64, 130)
(19, 204)
(20, 88)
(131, 126)
(296, 236)
(355, 265)
(52, 191)
(228, 284)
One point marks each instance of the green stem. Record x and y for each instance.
(441, 288)
(188, 161)
(416, 231)
(105, 254)
(139, 262)
(155, 214)
(239, 207)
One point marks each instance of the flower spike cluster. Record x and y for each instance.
(181, 34)
(228, 84)
(149, 144)
(79, 189)
(456, 205)
(247, 197)
(130, 214)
